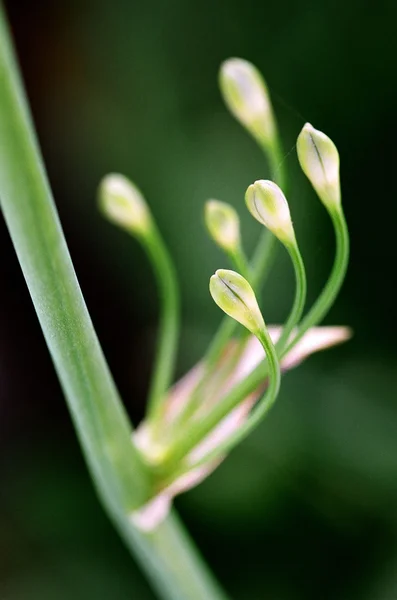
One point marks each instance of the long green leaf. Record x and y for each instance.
(167, 555)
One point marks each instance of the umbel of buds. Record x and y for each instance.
(223, 224)
(234, 295)
(319, 159)
(123, 204)
(268, 205)
(246, 95)
(190, 427)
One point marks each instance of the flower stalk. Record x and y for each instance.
(123, 204)
(223, 225)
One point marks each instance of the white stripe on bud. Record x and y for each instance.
(246, 95)
(268, 205)
(319, 160)
(234, 295)
(223, 224)
(123, 204)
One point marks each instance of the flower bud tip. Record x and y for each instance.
(245, 93)
(223, 224)
(123, 204)
(234, 295)
(319, 160)
(268, 205)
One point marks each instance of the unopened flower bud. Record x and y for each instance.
(246, 95)
(268, 205)
(319, 159)
(234, 295)
(223, 224)
(123, 204)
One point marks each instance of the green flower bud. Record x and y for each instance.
(223, 224)
(246, 95)
(234, 295)
(123, 204)
(268, 205)
(319, 159)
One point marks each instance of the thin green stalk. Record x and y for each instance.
(240, 263)
(335, 281)
(247, 386)
(300, 296)
(260, 410)
(167, 342)
(121, 479)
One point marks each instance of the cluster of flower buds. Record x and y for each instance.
(190, 427)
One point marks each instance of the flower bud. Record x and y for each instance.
(123, 204)
(268, 205)
(246, 95)
(223, 224)
(319, 160)
(234, 295)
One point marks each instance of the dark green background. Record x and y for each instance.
(306, 509)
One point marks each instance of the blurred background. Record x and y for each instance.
(306, 508)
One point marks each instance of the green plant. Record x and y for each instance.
(188, 429)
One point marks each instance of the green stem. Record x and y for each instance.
(300, 296)
(259, 412)
(121, 479)
(181, 574)
(331, 289)
(167, 342)
(240, 263)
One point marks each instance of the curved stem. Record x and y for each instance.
(167, 341)
(334, 283)
(300, 296)
(240, 263)
(261, 408)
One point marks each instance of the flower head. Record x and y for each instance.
(123, 204)
(319, 159)
(223, 224)
(246, 95)
(268, 205)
